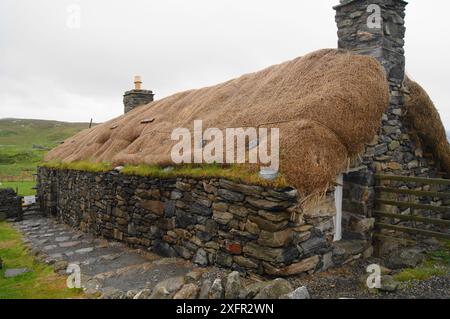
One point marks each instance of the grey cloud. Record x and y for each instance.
(50, 71)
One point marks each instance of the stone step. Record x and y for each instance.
(111, 262)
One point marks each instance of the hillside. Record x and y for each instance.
(23, 143)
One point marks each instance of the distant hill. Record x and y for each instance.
(23, 143)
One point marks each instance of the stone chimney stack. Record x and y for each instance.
(376, 28)
(137, 96)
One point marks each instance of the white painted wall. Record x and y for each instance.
(338, 194)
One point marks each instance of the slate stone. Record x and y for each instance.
(233, 286)
(216, 291)
(14, 272)
(275, 289)
(163, 249)
(230, 195)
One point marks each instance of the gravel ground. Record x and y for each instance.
(349, 282)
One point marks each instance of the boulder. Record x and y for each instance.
(216, 291)
(299, 293)
(189, 291)
(112, 293)
(233, 286)
(252, 290)
(143, 294)
(167, 288)
(194, 275)
(388, 284)
(405, 258)
(204, 290)
(14, 272)
(275, 289)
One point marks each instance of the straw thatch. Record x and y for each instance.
(327, 104)
(426, 123)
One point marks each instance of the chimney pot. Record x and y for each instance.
(137, 82)
(137, 96)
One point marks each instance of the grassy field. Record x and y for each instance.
(23, 188)
(40, 283)
(23, 143)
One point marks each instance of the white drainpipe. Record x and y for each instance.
(338, 194)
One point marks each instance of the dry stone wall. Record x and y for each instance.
(10, 204)
(210, 221)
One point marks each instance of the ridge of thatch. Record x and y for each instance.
(328, 105)
(426, 124)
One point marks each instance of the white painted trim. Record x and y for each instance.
(338, 194)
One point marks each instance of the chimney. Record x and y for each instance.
(376, 28)
(137, 96)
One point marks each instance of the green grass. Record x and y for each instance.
(437, 264)
(79, 166)
(237, 173)
(23, 188)
(23, 144)
(40, 283)
(421, 273)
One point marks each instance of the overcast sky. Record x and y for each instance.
(50, 69)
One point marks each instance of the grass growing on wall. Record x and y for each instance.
(79, 166)
(237, 173)
(40, 283)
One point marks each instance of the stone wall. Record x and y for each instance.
(134, 98)
(210, 221)
(392, 150)
(10, 204)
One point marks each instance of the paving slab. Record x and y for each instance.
(104, 264)
(14, 272)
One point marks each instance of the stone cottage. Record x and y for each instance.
(343, 117)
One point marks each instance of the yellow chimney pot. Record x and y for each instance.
(137, 82)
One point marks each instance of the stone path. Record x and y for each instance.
(107, 268)
(112, 270)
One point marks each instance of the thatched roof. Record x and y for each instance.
(327, 104)
(426, 124)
